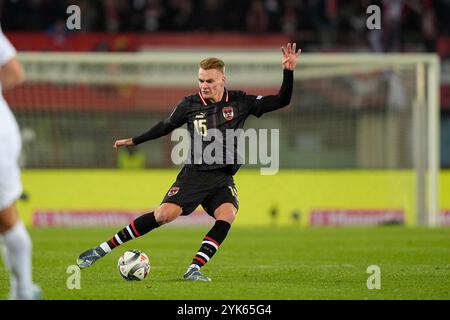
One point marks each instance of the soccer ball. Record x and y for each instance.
(133, 265)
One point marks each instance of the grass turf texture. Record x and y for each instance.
(253, 263)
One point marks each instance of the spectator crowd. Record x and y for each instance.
(324, 22)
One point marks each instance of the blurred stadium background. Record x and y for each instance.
(365, 141)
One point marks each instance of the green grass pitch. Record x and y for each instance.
(278, 263)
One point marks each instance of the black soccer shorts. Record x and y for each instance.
(208, 188)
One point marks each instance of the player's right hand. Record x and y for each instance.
(123, 142)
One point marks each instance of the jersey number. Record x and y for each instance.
(200, 127)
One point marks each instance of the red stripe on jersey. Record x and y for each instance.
(201, 97)
(200, 259)
(226, 99)
(134, 229)
(114, 242)
(211, 239)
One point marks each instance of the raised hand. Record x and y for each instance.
(290, 56)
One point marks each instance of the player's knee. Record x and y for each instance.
(167, 212)
(229, 217)
(226, 212)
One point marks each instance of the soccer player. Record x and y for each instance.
(208, 184)
(16, 244)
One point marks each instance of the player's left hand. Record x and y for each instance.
(290, 56)
(123, 142)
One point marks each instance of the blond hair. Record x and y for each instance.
(212, 63)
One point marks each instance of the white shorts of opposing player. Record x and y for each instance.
(10, 146)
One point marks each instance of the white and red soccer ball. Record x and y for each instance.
(134, 265)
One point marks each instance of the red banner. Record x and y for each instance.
(129, 98)
(105, 218)
(339, 217)
(126, 42)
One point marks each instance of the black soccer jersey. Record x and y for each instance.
(210, 125)
(213, 127)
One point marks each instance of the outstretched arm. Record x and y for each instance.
(283, 98)
(160, 129)
(175, 120)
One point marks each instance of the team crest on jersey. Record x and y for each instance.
(228, 113)
(173, 191)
